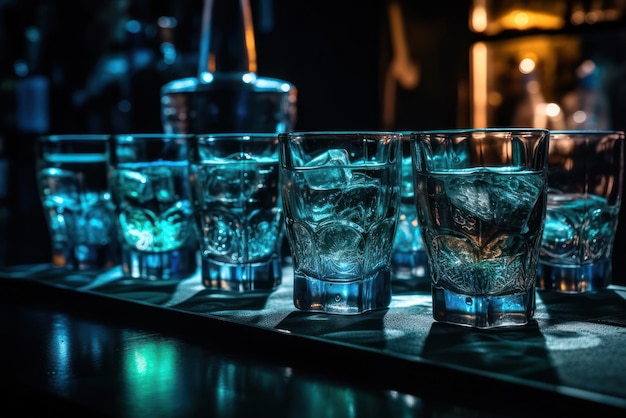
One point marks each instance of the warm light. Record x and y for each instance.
(586, 68)
(479, 85)
(479, 16)
(521, 20)
(612, 14)
(579, 117)
(526, 66)
(249, 36)
(494, 98)
(578, 17)
(593, 17)
(553, 110)
(527, 19)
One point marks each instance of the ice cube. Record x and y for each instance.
(514, 197)
(329, 173)
(233, 182)
(134, 185)
(360, 201)
(321, 204)
(60, 187)
(223, 183)
(473, 195)
(496, 198)
(162, 182)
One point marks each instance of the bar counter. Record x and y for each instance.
(103, 345)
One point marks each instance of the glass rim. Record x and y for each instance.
(588, 132)
(457, 131)
(251, 136)
(73, 137)
(148, 137)
(341, 133)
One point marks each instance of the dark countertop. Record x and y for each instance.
(101, 344)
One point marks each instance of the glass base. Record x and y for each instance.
(483, 311)
(242, 277)
(574, 279)
(172, 265)
(410, 266)
(85, 257)
(346, 298)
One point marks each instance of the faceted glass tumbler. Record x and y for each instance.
(341, 194)
(481, 209)
(72, 179)
(237, 210)
(585, 177)
(150, 184)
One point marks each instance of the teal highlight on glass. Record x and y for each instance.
(150, 184)
(237, 210)
(409, 263)
(72, 182)
(481, 210)
(341, 195)
(585, 178)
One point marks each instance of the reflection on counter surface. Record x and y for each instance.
(124, 370)
(181, 336)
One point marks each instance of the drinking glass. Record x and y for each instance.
(73, 188)
(237, 209)
(585, 176)
(481, 208)
(409, 263)
(340, 193)
(150, 185)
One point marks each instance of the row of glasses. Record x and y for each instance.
(493, 225)
(504, 212)
(497, 200)
(149, 202)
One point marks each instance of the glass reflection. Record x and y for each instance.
(134, 373)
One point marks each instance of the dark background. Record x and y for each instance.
(103, 67)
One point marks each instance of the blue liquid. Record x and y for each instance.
(240, 224)
(482, 228)
(340, 223)
(155, 220)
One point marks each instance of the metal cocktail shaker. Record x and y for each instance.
(227, 95)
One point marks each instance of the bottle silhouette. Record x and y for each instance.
(227, 95)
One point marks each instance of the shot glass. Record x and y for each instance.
(237, 210)
(341, 194)
(585, 176)
(150, 184)
(72, 177)
(481, 209)
(408, 260)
